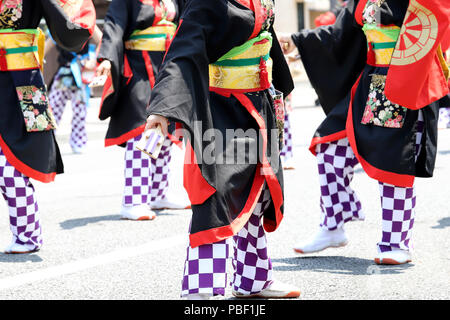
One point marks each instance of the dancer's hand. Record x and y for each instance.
(155, 120)
(90, 64)
(104, 69)
(286, 43)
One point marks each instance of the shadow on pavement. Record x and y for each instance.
(82, 222)
(443, 223)
(337, 265)
(76, 223)
(20, 258)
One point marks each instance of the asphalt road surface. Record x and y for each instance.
(89, 253)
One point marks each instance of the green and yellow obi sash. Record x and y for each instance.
(382, 41)
(245, 68)
(155, 38)
(21, 49)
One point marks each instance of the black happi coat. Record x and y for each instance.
(126, 100)
(36, 154)
(223, 196)
(335, 60)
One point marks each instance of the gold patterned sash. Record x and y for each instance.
(382, 40)
(155, 38)
(249, 70)
(21, 49)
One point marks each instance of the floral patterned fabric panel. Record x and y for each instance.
(379, 110)
(268, 13)
(371, 11)
(36, 113)
(279, 108)
(10, 13)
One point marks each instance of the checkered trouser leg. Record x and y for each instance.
(338, 202)
(398, 213)
(205, 267)
(287, 152)
(24, 215)
(444, 118)
(58, 99)
(78, 136)
(160, 171)
(398, 208)
(137, 175)
(146, 179)
(252, 265)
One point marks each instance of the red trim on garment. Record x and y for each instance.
(175, 34)
(176, 141)
(23, 168)
(332, 137)
(175, 138)
(257, 9)
(149, 68)
(401, 180)
(125, 137)
(197, 188)
(225, 232)
(269, 175)
(127, 71)
(108, 89)
(255, 6)
(245, 3)
(359, 12)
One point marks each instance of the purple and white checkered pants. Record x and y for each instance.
(146, 179)
(205, 266)
(286, 152)
(340, 204)
(58, 98)
(24, 217)
(444, 118)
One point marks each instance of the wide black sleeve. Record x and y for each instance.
(71, 23)
(116, 21)
(207, 30)
(333, 56)
(282, 79)
(112, 49)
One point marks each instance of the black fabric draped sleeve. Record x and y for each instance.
(207, 30)
(333, 56)
(282, 80)
(70, 32)
(112, 48)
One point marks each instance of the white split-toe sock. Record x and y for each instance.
(138, 213)
(322, 240)
(394, 257)
(15, 248)
(276, 290)
(169, 203)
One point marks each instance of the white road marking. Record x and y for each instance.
(83, 264)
